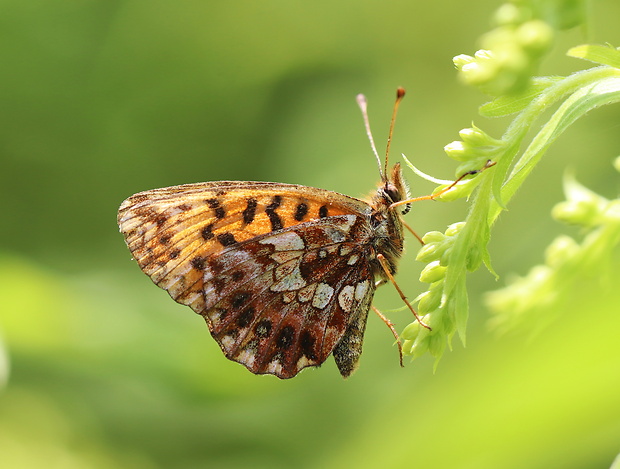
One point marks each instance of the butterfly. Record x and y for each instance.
(283, 274)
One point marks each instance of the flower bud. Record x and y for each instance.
(509, 14)
(459, 151)
(429, 301)
(477, 138)
(578, 212)
(484, 54)
(408, 347)
(411, 331)
(419, 347)
(431, 252)
(455, 228)
(535, 36)
(437, 345)
(433, 272)
(433, 237)
(612, 212)
(561, 249)
(462, 60)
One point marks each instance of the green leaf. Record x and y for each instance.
(601, 91)
(604, 55)
(506, 105)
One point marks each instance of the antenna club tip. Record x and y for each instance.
(400, 92)
(361, 101)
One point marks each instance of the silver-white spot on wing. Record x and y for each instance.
(361, 289)
(346, 297)
(285, 241)
(283, 256)
(322, 295)
(288, 277)
(353, 259)
(274, 367)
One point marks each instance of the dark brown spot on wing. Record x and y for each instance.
(238, 275)
(274, 218)
(301, 211)
(215, 205)
(263, 328)
(285, 337)
(226, 239)
(245, 318)
(174, 253)
(215, 266)
(240, 299)
(198, 263)
(233, 332)
(250, 211)
(207, 232)
(161, 219)
(218, 284)
(306, 343)
(323, 211)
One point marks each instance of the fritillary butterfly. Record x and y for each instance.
(283, 274)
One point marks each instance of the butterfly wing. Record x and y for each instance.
(280, 272)
(281, 302)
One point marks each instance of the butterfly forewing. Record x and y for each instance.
(280, 272)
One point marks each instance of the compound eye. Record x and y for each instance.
(393, 193)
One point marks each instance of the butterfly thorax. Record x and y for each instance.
(386, 223)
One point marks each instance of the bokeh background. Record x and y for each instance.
(100, 99)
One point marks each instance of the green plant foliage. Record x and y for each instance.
(512, 51)
(463, 248)
(568, 264)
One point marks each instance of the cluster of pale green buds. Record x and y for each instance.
(435, 309)
(536, 291)
(584, 207)
(510, 53)
(446, 312)
(473, 151)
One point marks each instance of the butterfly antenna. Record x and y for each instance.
(400, 94)
(363, 104)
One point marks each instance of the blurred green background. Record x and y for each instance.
(100, 99)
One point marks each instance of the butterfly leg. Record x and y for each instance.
(386, 269)
(390, 324)
(417, 236)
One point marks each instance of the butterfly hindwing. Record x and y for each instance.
(300, 291)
